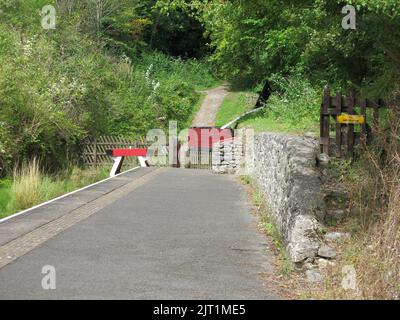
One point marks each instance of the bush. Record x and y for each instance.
(295, 100)
(293, 107)
(57, 90)
(197, 72)
(5, 196)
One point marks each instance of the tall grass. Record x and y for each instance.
(27, 185)
(374, 249)
(379, 200)
(31, 186)
(293, 107)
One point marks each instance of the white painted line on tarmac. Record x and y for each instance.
(63, 196)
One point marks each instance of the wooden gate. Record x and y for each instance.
(347, 118)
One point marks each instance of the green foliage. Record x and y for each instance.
(197, 72)
(387, 7)
(175, 31)
(23, 14)
(129, 26)
(90, 76)
(293, 108)
(5, 195)
(296, 102)
(255, 39)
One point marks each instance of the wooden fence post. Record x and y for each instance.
(325, 121)
(338, 124)
(95, 152)
(350, 128)
(376, 107)
(363, 111)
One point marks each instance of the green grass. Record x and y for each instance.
(269, 227)
(274, 119)
(5, 195)
(293, 108)
(19, 194)
(278, 116)
(197, 73)
(234, 105)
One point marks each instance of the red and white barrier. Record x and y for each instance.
(120, 154)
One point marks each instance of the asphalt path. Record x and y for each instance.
(178, 234)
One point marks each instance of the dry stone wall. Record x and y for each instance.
(285, 169)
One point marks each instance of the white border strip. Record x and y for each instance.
(63, 196)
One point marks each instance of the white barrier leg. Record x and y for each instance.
(143, 162)
(116, 168)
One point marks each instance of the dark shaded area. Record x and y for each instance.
(178, 35)
(264, 95)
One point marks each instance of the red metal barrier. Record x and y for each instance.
(129, 152)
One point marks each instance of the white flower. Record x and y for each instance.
(82, 88)
(27, 48)
(148, 72)
(126, 59)
(156, 86)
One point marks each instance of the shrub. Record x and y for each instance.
(197, 72)
(378, 259)
(293, 107)
(56, 91)
(295, 100)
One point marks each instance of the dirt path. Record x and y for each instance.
(209, 109)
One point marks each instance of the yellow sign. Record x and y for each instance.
(350, 119)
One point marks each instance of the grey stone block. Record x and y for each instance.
(327, 252)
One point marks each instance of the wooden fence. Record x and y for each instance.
(94, 151)
(342, 115)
